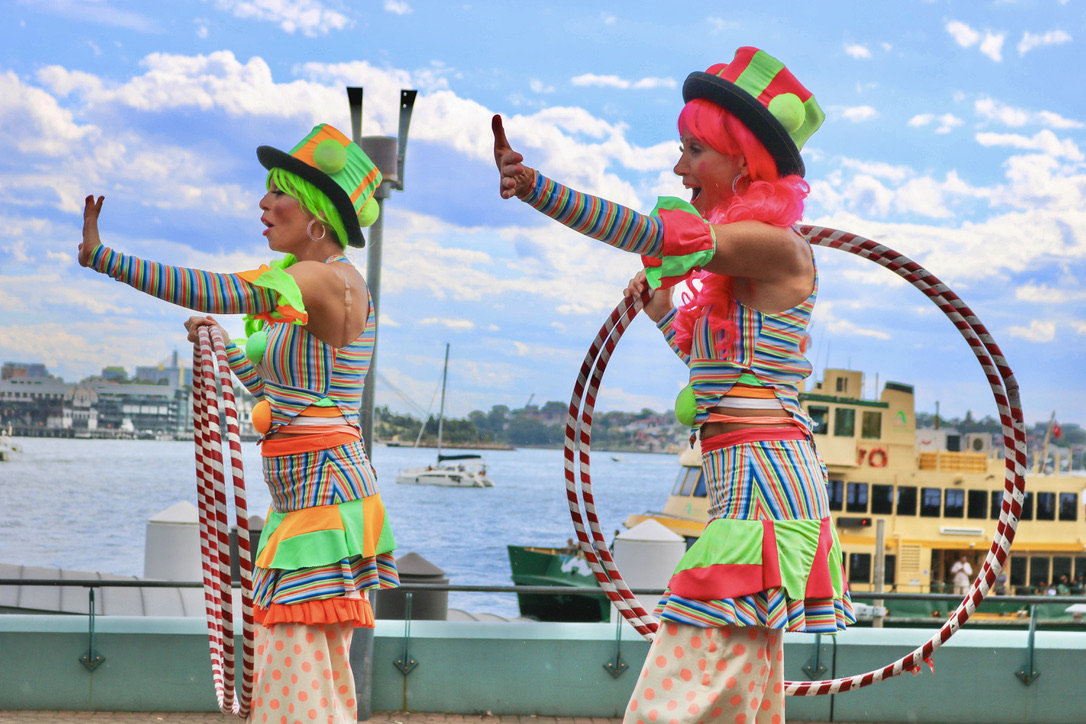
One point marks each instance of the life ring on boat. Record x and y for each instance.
(860, 455)
(878, 458)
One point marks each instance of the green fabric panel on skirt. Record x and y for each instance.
(797, 543)
(725, 540)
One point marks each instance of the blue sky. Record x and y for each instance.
(954, 134)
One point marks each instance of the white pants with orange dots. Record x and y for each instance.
(303, 674)
(692, 674)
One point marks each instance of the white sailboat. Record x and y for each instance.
(454, 471)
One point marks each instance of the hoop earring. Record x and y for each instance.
(735, 183)
(309, 230)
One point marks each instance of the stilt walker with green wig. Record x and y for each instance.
(311, 329)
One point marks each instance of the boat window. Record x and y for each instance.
(859, 568)
(844, 422)
(977, 504)
(700, 491)
(1018, 571)
(820, 419)
(906, 500)
(889, 576)
(835, 493)
(857, 498)
(1038, 572)
(882, 500)
(931, 500)
(1080, 569)
(679, 481)
(997, 504)
(1027, 506)
(1068, 506)
(871, 425)
(1046, 506)
(954, 503)
(690, 481)
(1061, 569)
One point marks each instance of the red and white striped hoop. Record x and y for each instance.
(1000, 378)
(210, 378)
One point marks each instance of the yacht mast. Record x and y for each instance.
(441, 415)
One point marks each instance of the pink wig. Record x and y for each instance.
(766, 197)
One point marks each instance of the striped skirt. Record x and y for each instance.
(326, 540)
(769, 556)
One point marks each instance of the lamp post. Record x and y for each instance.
(387, 153)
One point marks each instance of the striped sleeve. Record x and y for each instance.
(243, 369)
(202, 291)
(666, 325)
(597, 218)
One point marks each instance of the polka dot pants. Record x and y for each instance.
(732, 674)
(303, 675)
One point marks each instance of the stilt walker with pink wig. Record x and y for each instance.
(768, 560)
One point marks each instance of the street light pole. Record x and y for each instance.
(388, 154)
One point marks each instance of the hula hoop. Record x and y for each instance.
(209, 358)
(997, 372)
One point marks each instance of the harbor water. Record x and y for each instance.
(84, 504)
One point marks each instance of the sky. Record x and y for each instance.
(954, 134)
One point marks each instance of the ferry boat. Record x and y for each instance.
(939, 492)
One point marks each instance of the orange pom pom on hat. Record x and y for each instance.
(339, 168)
(764, 95)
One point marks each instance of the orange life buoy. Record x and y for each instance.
(860, 455)
(878, 458)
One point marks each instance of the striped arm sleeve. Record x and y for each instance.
(202, 291)
(597, 218)
(665, 325)
(243, 369)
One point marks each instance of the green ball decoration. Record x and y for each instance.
(788, 109)
(368, 214)
(686, 406)
(255, 346)
(329, 156)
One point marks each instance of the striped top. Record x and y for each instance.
(767, 345)
(297, 370)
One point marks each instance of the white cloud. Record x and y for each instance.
(963, 35)
(614, 81)
(859, 114)
(1045, 294)
(310, 17)
(1030, 41)
(991, 44)
(994, 110)
(1038, 331)
(718, 25)
(857, 51)
(539, 86)
(398, 7)
(944, 123)
(1044, 141)
(457, 324)
(98, 13)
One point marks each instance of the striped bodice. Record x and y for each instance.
(299, 370)
(768, 345)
